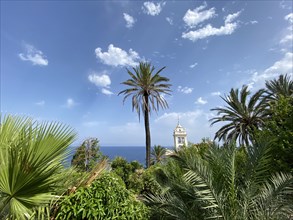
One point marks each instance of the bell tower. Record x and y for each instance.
(180, 136)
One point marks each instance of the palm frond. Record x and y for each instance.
(31, 155)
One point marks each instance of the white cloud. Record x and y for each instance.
(103, 81)
(201, 101)
(100, 80)
(193, 65)
(231, 17)
(70, 103)
(129, 20)
(185, 90)
(196, 16)
(33, 55)
(151, 8)
(106, 91)
(253, 22)
(283, 66)
(289, 18)
(40, 103)
(172, 118)
(115, 56)
(287, 39)
(170, 20)
(208, 31)
(215, 93)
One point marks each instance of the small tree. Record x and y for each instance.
(87, 155)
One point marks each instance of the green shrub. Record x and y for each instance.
(106, 198)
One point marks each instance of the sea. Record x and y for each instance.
(130, 153)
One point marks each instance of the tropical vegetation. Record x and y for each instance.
(244, 114)
(31, 157)
(107, 198)
(147, 89)
(158, 154)
(210, 187)
(247, 176)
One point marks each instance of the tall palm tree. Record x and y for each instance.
(147, 89)
(31, 157)
(283, 86)
(242, 113)
(196, 187)
(157, 154)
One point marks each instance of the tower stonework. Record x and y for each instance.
(180, 136)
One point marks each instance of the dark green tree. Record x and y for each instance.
(279, 129)
(87, 155)
(147, 89)
(243, 115)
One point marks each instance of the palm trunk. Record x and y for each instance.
(147, 132)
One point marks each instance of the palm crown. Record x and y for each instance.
(146, 88)
(243, 114)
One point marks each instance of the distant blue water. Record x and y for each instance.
(129, 153)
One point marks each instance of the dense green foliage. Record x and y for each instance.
(279, 129)
(147, 89)
(106, 198)
(125, 170)
(87, 155)
(31, 157)
(206, 186)
(136, 179)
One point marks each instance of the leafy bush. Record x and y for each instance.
(106, 198)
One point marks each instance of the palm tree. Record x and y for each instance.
(208, 187)
(283, 86)
(147, 89)
(243, 114)
(31, 157)
(157, 154)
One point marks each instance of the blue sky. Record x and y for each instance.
(64, 60)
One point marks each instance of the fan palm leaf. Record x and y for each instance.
(31, 156)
